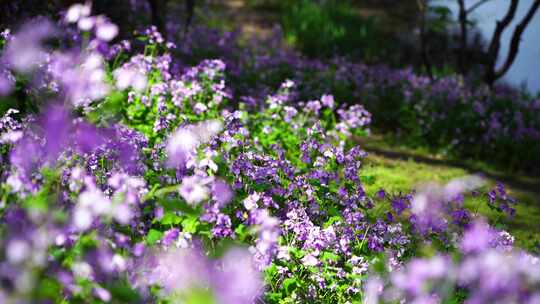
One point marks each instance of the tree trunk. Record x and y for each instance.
(155, 14)
(462, 65)
(422, 4)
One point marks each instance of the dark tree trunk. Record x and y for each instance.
(463, 45)
(423, 6)
(155, 14)
(190, 10)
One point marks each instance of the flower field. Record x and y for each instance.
(215, 170)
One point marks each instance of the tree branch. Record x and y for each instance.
(516, 39)
(476, 5)
(495, 44)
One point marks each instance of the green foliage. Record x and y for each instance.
(326, 27)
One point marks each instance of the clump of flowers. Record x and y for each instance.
(132, 179)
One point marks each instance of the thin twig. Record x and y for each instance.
(476, 5)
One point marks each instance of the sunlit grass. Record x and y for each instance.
(404, 174)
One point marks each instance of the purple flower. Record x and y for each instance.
(237, 281)
(328, 101)
(25, 51)
(170, 236)
(194, 189)
(477, 238)
(232, 279)
(56, 127)
(221, 192)
(87, 137)
(183, 142)
(7, 81)
(381, 194)
(418, 273)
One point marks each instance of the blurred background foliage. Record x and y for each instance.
(331, 27)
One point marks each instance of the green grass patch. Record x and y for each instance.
(401, 174)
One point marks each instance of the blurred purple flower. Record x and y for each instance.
(7, 81)
(56, 125)
(25, 50)
(182, 143)
(237, 281)
(194, 189)
(105, 30)
(221, 192)
(87, 137)
(477, 238)
(328, 101)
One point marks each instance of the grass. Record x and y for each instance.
(401, 169)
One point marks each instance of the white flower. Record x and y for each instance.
(15, 183)
(328, 153)
(106, 31)
(77, 11)
(17, 251)
(250, 202)
(183, 140)
(130, 77)
(283, 253)
(82, 218)
(206, 130)
(310, 260)
(86, 23)
(419, 204)
(95, 201)
(193, 189)
(119, 262)
(122, 214)
(200, 108)
(82, 269)
(93, 61)
(11, 137)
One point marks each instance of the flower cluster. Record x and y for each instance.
(133, 178)
(425, 111)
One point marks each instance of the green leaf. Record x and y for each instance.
(297, 253)
(329, 256)
(190, 224)
(241, 232)
(290, 284)
(38, 202)
(123, 292)
(153, 236)
(332, 220)
(170, 218)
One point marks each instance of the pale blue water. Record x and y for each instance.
(526, 68)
